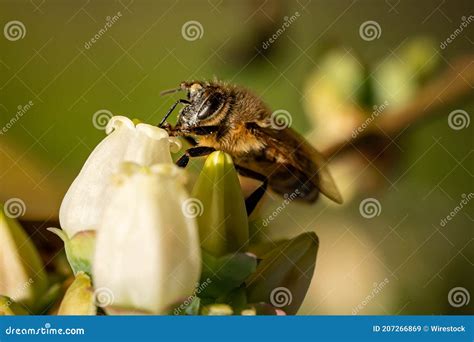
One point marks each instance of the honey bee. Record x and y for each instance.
(229, 118)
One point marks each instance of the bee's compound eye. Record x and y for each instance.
(204, 112)
(211, 106)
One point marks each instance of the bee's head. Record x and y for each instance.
(206, 102)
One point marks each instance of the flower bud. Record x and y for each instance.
(144, 144)
(283, 276)
(147, 253)
(223, 223)
(22, 276)
(79, 297)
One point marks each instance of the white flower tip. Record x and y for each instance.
(157, 133)
(153, 132)
(117, 121)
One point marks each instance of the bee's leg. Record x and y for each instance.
(194, 152)
(191, 141)
(249, 173)
(255, 197)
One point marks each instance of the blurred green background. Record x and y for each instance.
(145, 52)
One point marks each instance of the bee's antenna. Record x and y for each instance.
(171, 110)
(170, 91)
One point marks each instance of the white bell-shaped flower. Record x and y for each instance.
(143, 144)
(147, 254)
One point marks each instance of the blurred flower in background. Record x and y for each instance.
(346, 97)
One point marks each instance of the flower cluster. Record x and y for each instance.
(134, 248)
(130, 193)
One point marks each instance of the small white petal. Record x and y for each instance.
(117, 121)
(81, 208)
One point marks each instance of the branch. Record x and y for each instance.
(449, 87)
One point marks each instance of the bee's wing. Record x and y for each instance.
(304, 157)
(326, 183)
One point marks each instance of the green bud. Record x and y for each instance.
(223, 223)
(9, 308)
(79, 249)
(79, 297)
(24, 280)
(283, 276)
